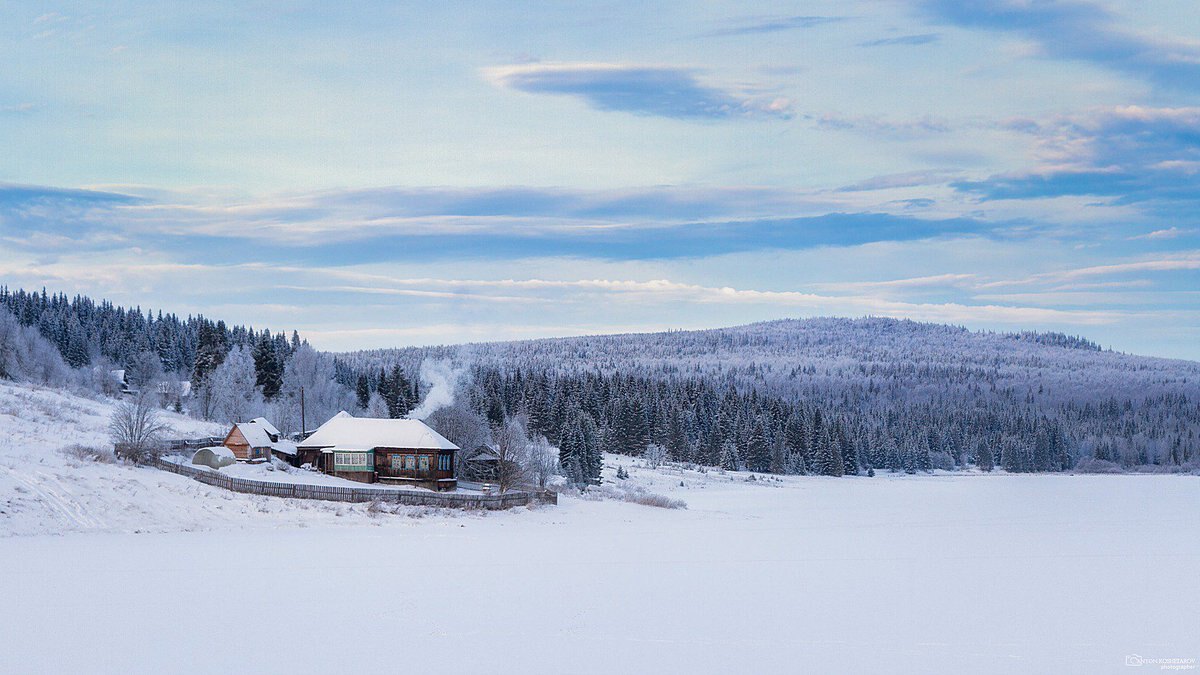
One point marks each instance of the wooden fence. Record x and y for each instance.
(357, 494)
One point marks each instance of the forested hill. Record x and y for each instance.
(909, 394)
(864, 359)
(829, 396)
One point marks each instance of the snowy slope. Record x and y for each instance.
(44, 491)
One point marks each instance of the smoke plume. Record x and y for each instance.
(442, 378)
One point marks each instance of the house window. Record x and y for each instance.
(443, 462)
(410, 462)
(351, 459)
(423, 462)
(397, 462)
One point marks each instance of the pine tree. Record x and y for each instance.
(268, 376)
(362, 391)
(984, 459)
(758, 451)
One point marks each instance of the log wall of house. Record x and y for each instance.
(236, 442)
(384, 465)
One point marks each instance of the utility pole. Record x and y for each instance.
(303, 426)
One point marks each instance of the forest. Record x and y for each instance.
(816, 396)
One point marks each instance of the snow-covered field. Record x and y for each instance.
(926, 574)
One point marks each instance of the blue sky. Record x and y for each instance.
(378, 174)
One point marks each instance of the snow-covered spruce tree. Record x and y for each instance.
(730, 461)
(984, 459)
(758, 451)
(268, 372)
(362, 391)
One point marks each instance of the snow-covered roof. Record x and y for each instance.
(364, 433)
(259, 432)
(255, 434)
(270, 428)
(484, 453)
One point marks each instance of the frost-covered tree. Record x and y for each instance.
(541, 461)
(135, 427)
(313, 375)
(27, 355)
(511, 444)
(237, 398)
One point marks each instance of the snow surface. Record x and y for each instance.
(898, 574)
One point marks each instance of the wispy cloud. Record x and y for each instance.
(776, 24)
(906, 40)
(1132, 154)
(1084, 31)
(1184, 261)
(656, 91)
(902, 180)
(1167, 233)
(657, 291)
(441, 223)
(877, 126)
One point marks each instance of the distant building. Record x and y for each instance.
(258, 440)
(483, 463)
(369, 450)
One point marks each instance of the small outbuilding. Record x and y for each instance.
(483, 463)
(214, 457)
(258, 440)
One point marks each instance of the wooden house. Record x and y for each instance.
(369, 450)
(483, 463)
(257, 440)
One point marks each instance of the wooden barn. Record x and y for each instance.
(257, 440)
(372, 450)
(483, 463)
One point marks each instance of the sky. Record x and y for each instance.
(388, 174)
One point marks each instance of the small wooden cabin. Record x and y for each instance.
(257, 440)
(372, 450)
(483, 464)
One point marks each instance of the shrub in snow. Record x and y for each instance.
(655, 455)
(635, 494)
(941, 460)
(89, 453)
(1092, 465)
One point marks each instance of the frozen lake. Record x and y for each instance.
(985, 574)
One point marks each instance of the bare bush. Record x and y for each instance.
(136, 428)
(1091, 465)
(634, 495)
(89, 453)
(646, 498)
